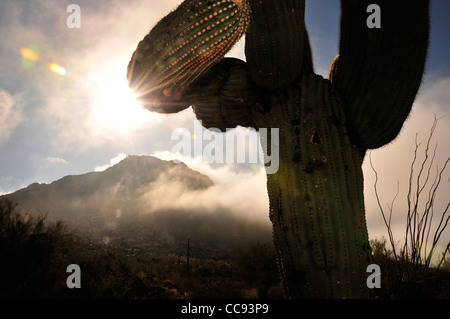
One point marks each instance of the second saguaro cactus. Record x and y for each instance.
(325, 125)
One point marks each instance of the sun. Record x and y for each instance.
(116, 106)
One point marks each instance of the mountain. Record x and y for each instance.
(138, 204)
(119, 188)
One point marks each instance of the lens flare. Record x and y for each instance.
(57, 69)
(30, 55)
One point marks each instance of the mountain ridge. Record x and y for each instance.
(129, 205)
(124, 182)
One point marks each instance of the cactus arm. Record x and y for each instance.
(379, 71)
(276, 44)
(225, 96)
(182, 47)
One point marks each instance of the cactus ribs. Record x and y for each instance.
(316, 206)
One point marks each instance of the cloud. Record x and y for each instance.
(435, 94)
(10, 184)
(56, 160)
(115, 160)
(242, 191)
(52, 163)
(10, 114)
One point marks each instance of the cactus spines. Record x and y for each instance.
(325, 126)
(379, 71)
(276, 43)
(328, 200)
(226, 96)
(181, 47)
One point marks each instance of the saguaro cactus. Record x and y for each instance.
(325, 125)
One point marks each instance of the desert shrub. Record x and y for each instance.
(29, 250)
(408, 269)
(398, 281)
(257, 266)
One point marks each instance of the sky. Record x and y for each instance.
(65, 107)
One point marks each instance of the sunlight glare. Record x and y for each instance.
(117, 106)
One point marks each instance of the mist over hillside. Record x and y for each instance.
(143, 201)
(119, 189)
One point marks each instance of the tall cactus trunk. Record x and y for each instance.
(316, 197)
